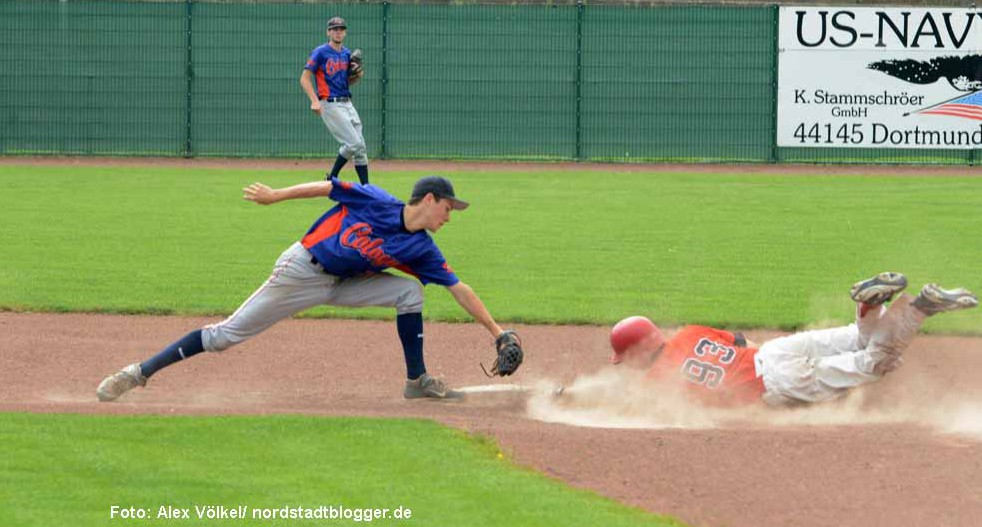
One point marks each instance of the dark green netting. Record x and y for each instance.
(610, 82)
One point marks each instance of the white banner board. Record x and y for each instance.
(879, 77)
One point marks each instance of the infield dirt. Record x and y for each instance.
(906, 451)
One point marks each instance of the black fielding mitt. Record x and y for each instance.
(510, 354)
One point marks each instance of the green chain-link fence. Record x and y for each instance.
(562, 81)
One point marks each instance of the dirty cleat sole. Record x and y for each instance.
(879, 289)
(933, 299)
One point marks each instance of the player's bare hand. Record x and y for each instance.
(259, 193)
(316, 107)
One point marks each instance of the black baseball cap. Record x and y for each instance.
(336, 22)
(441, 188)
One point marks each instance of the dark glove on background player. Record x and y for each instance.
(355, 68)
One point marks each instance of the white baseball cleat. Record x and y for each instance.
(120, 382)
(933, 299)
(879, 289)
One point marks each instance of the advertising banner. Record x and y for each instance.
(880, 77)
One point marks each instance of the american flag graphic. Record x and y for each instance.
(966, 107)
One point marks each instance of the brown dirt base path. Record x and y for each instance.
(885, 459)
(319, 166)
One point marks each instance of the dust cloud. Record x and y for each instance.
(620, 398)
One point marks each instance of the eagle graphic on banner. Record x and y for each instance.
(964, 73)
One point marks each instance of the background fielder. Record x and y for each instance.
(331, 67)
(720, 367)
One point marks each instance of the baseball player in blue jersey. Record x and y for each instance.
(341, 261)
(332, 68)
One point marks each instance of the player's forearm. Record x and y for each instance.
(468, 299)
(308, 86)
(264, 195)
(313, 189)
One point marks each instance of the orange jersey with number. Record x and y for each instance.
(713, 365)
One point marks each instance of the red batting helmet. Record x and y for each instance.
(629, 333)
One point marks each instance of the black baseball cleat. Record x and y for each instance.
(879, 289)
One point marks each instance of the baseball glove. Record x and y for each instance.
(510, 354)
(355, 68)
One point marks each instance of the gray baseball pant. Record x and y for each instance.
(296, 284)
(342, 120)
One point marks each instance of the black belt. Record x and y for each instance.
(336, 99)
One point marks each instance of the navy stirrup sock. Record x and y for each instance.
(410, 326)
(182, 349)
(338, 165)
(362, 171)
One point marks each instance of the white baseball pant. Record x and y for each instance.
(816, 366)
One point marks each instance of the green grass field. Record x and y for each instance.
(71, 470)
(548, 247)
(551, 247)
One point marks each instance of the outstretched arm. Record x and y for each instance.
(264, 195)
(467, 298)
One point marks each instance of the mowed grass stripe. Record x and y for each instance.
(71, 469)
(545, 247)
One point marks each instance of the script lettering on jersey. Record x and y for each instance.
(359, 237)
(333, 66)
(726, 354)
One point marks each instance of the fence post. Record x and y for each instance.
(385, 74)
(774, 82)
(188, 75)
(579, 78)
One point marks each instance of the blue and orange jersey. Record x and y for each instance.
(330, 69)
(365, 234)
(713, 365)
